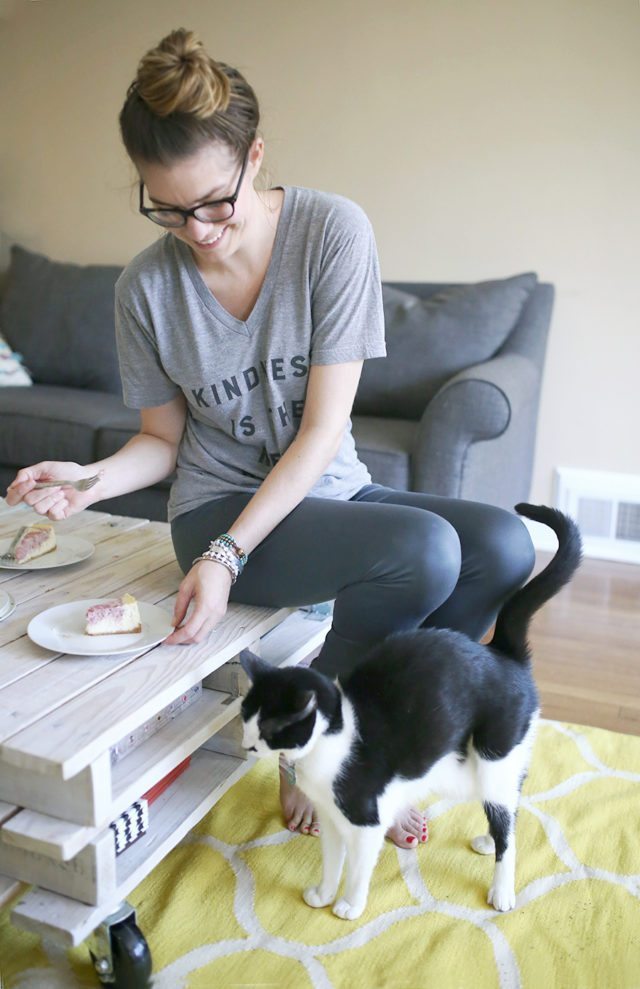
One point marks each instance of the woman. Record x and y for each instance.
(241, 336)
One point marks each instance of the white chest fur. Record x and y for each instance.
(321, 766)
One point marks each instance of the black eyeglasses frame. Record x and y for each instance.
(186, 213)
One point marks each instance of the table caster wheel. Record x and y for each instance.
(131, 957)
(122, 959)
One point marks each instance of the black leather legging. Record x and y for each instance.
(393, 560)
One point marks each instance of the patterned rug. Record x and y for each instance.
(224, 909)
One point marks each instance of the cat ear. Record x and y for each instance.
(307, 703)
(252, 665)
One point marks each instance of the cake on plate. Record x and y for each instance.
(32, 541)
(118, 617)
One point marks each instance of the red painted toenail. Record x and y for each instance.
(411, 839)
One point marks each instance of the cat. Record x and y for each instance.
(427, 711)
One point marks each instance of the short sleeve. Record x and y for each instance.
(348, 317)
(145, 383)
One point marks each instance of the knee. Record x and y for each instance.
(507, 550)
(431, 557)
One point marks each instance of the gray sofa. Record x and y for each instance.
(451, 410)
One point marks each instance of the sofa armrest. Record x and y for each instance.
(477, 404)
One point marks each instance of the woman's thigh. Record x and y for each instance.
(496, 549)
(479, 526)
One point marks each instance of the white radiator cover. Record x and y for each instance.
(606, 506)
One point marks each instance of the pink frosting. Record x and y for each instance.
(110, 609)
(30, 541)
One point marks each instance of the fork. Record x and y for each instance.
(82, 485)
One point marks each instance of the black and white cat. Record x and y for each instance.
(427, 711)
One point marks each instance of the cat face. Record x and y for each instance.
(279, 714)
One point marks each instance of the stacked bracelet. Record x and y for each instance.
(229, 541)
(225, 550)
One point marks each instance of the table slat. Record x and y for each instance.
(76, 733)
(22, 657)
(90, 877)
(86, 798)
(50, 685)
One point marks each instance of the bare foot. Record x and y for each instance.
(410, 830)
(296, 807)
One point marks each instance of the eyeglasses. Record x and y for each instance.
(212, 212)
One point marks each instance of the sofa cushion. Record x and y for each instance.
(430, 340)
(46, 422)
(60, 317)
(385, 446)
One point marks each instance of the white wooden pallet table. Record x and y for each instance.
(61, 717)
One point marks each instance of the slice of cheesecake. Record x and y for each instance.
(32, 541)
(118, 617)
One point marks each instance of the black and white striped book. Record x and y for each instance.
(130, 825)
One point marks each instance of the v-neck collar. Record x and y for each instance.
(243, 326)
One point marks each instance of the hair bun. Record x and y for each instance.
(178, 76)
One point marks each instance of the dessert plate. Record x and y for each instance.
(7, 605)
(62, 629)
(70, 549)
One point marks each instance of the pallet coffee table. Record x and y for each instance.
(83, 737)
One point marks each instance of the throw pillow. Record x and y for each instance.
(60, 317)
(12, 372)
(429, 340)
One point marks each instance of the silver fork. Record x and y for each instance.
(82, 485)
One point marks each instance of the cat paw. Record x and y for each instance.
(502, 897)
(313, 897)
(483, 844)
(345, 911)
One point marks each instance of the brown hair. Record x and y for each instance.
(181, 99)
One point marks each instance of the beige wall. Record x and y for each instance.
(483, 138)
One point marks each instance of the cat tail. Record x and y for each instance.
(512, 624)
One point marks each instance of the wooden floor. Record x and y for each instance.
(586, 647)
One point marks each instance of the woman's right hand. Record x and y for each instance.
(207, 587)
(55, 503)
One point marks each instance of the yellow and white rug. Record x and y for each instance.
(225, 909)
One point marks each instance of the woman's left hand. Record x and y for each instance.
(208, 584)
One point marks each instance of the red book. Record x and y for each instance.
(166, 781)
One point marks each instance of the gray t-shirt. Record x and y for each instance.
(245, 380)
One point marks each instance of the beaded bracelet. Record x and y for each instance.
(224, 549)
(216, 554)
(229, 541)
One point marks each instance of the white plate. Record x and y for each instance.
(62, 629)
(70, 549)
(7, 605)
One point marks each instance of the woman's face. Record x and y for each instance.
(212, 173)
